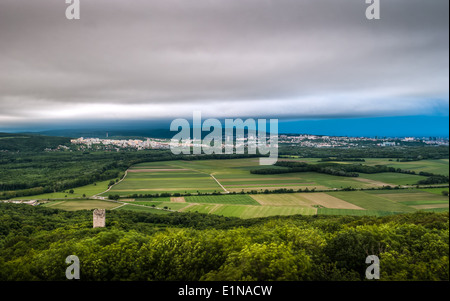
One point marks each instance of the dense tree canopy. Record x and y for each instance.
(34, 243)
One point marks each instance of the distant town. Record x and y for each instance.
(149, 143)
(342, 141)
(315, 141)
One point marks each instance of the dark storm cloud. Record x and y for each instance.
(165, 58)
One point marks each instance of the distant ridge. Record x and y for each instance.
(114, 134)
(29, 142)
(92, 133)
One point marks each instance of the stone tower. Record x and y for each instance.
(99, 218)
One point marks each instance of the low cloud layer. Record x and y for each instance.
(228, 58)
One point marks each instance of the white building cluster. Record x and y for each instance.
(27, 202)
(138, 144)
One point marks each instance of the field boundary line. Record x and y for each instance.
(203, 172)
(96, 196)
(219, 183)
(196, 170)
(118, 206)
(188, 206)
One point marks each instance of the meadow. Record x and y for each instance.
(437, 166)
(246, 195)
(334, 203)
(75, 205)
(358, 203)
(157, 177)
(79, 192)
(206, 176)
(238, 199)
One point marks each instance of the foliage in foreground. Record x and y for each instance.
(34, 243)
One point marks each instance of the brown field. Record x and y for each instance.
(177, 200)
(281, 200)
(304, 200)
(329, 201)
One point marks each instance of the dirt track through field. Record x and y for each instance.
(212, 176)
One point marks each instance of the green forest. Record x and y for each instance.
(405, 153)
(30, 142)
(34, 242)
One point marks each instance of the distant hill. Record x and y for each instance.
(29, 142)
(95, 133)
(117, 134)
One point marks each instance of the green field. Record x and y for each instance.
(159, 200)
(169, 205)
(158, 177)
(413, 203)
(438, 166)
(73, 205)
(234, 175)
(371, 201)
(435, 190)
(144, 209)
(238, 199)
(166, 181)
(415, 196)
(377, 203)
(328, 211)
(87, 191)
(394, 178)
(249, 211)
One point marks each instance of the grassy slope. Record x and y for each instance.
(88, 190)
(238, 199)
(394, 178)
(371, 201)
(73, 205)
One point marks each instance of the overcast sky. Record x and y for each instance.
(149, 59)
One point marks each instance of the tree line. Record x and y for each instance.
(346, 170)
(407, 153)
